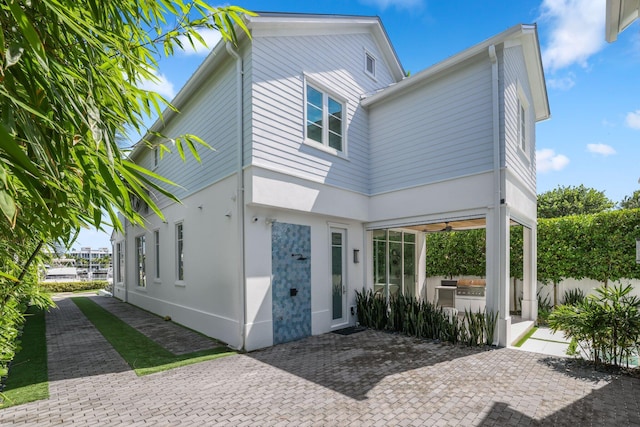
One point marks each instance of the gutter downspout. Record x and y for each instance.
(497, 186)
(240, 191)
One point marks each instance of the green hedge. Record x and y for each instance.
(72, 286)
(600, 247)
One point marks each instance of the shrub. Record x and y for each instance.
(72, 286)
(573, 297)
(544, 309)
(423, 319)
(606, 325)
(372, 309)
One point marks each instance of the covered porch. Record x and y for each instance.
(398, 266)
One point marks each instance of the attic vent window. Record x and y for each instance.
(370, 64)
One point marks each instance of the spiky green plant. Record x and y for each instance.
(573, 296)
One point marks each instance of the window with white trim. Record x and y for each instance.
(522, 126)
(370, 64)
(179, 251)
(324, 119)
(120, 260)
(156, 244)
(394, 263)
(141, 254)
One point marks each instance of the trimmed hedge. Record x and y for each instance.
(73, 286)
(600, 247)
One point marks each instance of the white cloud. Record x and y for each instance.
(602, 149)
(633, 119)
(576, 31)
(547, 160)
(563, 83)
(159, 84)
(210, 36)
(399, 4)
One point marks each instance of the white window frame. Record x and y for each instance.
(120, 262)
(522, 123)
(368, 55)
(403, 287)
(141, 269)
(156, 255)
(179, 253)
(326, 94)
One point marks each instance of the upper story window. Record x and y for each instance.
(523, 128)
(324, 119)
(370, 64)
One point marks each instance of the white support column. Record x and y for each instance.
(497, 265)
(530, 279)
(504, 316)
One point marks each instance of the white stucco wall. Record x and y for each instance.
(208, 300)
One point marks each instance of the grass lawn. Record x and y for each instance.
(526, 337)
(28, 376)
(144, 355)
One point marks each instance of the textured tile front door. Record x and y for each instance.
(291, 281)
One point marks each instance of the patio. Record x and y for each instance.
(367, 378)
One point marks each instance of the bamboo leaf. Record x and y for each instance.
(8, 207)
(27, 29)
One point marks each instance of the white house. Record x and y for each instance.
(325, 151)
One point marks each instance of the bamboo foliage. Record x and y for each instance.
(70, 72)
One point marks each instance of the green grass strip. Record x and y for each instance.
(144, 355)
(526, 337)
(28, 375)
(546, 340)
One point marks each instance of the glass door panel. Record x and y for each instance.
(338, 285)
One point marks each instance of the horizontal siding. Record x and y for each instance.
(522, 164)
(279, 66)
(210, 115)
(440, 130)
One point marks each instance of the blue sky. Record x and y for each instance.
(593, 136)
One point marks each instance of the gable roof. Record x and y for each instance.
(620, 14)
(527, 35)
(276, 23)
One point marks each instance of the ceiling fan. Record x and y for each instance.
(447, 227)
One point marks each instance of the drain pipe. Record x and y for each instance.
(497, 202)
(240, 190)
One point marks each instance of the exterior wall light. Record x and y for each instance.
(356, 256)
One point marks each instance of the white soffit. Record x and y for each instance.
(620, 14)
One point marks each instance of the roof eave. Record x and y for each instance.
(619, 15)
(534, 68)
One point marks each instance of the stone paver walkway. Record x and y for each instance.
(368, 378)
